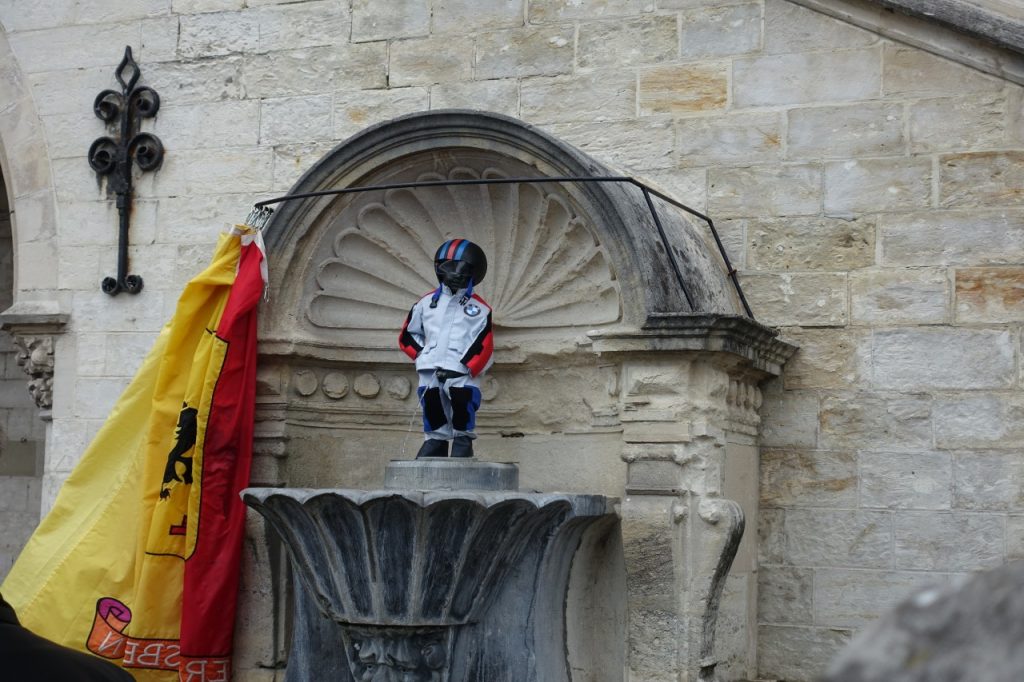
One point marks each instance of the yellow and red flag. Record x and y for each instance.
(138, 560)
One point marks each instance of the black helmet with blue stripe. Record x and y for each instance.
(460, 264)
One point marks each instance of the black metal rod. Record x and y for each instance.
(124, 200)
(665, 197)
(438, 183)
(730, 269)
(668, 247)
(124, 191)
(647, 192)
(714, 233)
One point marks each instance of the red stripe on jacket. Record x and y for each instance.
(480, 352)
(405, 340)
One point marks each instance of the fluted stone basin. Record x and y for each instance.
(429, 585)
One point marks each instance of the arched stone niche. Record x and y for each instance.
(609, 378)
(566, 259)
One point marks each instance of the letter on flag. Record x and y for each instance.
(138, 560)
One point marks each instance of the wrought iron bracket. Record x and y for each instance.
(113, 157)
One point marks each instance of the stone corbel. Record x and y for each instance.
(718, 540)
(33, 325)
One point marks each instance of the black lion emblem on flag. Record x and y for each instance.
(185, 440)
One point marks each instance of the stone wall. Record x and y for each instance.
(887, 246)
(19, 514)
(870, 192)
(21, 431)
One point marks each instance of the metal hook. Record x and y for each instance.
(263, 218)
(250, 219)
(259, 216)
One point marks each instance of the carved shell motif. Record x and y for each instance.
(545, 268)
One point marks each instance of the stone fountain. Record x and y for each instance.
(626, 366)
(448, 574)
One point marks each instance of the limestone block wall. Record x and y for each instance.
(881, 234)
(871, 193)
(19, 514)
(21, 431)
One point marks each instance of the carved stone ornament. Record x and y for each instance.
(546, 268)
(722, 541)
(32, 325)
(35, 356)
(406, 654)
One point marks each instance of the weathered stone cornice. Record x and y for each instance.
(34, 317)
(997, 22)
(985, 35)
(673, 332)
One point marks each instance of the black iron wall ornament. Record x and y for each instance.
(113, 157)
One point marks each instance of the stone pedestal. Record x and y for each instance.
(431, 584)
(442, 473)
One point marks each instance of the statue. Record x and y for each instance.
(448, 334)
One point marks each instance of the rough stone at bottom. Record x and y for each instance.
(950, 634)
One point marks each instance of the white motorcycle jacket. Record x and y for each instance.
(454, 335)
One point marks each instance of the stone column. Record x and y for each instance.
(687, 384)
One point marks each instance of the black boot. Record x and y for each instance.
(433, 447)
(462, 446)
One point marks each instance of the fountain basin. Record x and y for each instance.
(431, 585)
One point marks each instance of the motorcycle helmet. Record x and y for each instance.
(460, 264)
